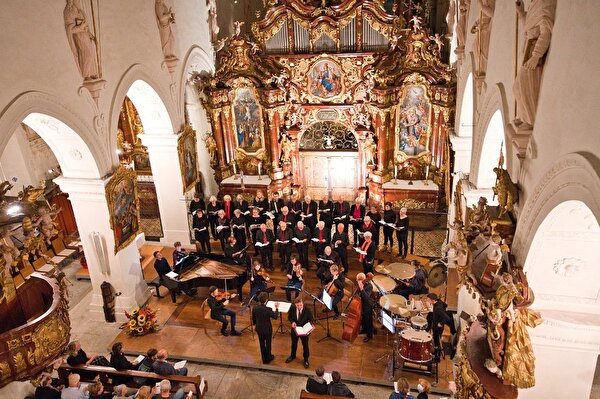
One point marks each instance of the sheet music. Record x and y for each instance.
(284, 307)
(305, 329)
(139, 358)
(298, 241)
(306, 216)
(262, 244)
(180, 364)
(315, 240)
(328, 378)
(283, 242)
(172, 275)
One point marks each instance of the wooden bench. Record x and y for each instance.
(108, 372)
(308, 395)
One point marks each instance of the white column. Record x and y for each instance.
(566, 347)
(122, 270)
(164, 159)
(462, 147)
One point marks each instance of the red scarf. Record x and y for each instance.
(356, 214)
(320, 235)
(227, 203)
(364, 247)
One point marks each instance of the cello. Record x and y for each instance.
(353, 313)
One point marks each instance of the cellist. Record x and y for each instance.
(335, 289)
(365, 290)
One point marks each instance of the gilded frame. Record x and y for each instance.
(424, 153)
(310, 81)
(123, 187)
(240, 85)
(188, 158)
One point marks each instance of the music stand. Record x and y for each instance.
(328, 302)
(315, 300)
(284, 307)
(247, 306)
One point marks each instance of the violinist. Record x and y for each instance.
(217, 302)
(258, 279)
(335, 289)
(295, 279)
(340, 242)
(365, 289)
(324, 262)
(238, 226)
(284, 241)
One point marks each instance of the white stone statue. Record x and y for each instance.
(494, 251)
(482, 30)
(370, 149)
(451, 17)
(81, 40)
(416, 23)
(287, 146)
(538, 24)
(461, 27)
(439, 43)
(237, 26)
(212, 19)
(394, 42)
(220, 44)
(165, 17)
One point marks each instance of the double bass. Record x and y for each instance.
(353, 313)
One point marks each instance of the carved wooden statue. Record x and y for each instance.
(483, 29)
(506, 190)
(165, 17)
(212, 19)
(539, 21)
(461, 27)
(81, 40)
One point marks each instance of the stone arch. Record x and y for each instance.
(489, 108)
(494, 139)
(196, 60)
(465, 121)
(76, 146)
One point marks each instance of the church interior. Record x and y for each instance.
(190, 187)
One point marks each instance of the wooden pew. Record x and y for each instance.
(108, 372)
(308, 395)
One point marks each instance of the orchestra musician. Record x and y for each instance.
(416, 285)
(260, 202)
(275, 205)
(200, 226)
(217, 302)
(161, 265)
(402, 233)
(197, 203)
(389, 216)
(335, 288)
(261, 318)
(299, 315)
(309, 213)
(367, 257)
(238, 226)
(253, 223)
(212, 208)
(295, 206)
(356, 215)
(365, 290)
(321, 237)
(265, 237)
(222, 228)
(258, 279)
(284, 241)
(341, 210)
(241, 204)
(295, 279)
(340, 243)
(301, 234)
(324, 262)
(438, 317)
(179, 253)
(326, 212)
(236, 252)
(375, 217)
(286, 217)
(367, 226)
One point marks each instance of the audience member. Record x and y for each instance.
(165, 391)
(120, 362)
(73, 391)
(145, 392)
(402, 390)
(96, 390)
(146, 365)
(316, 383)
(77, 357)
(162, 367)
(46, 390)
(337, 388)
(424, 389)
(122, 392)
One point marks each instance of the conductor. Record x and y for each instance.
(261, 318)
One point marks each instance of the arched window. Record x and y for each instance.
(490, 151)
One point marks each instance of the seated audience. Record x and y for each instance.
(146, 365)
(96, 390)
(424, 389)
(162, 367)
(120, 362)
(122, 392)
(77, 357)
(144, 392)
(402, 390)
(165, 391)
(316, 383)
(337, 388)
(73, 391)
(46, 390)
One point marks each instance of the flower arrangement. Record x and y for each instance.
(141, 321)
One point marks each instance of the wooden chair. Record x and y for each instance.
(26, 270)
(58, 245)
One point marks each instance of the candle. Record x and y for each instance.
(395, 172)
(259, 168)
(234, 168)
(426, 172)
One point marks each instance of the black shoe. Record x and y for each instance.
(224, 332)
(289, 359)
(366, 339)
(306, 364)
(235, 333)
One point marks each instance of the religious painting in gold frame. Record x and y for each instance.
(188, 158)
(247, 118)
(325, 80)
(123, 206)
(413, 122)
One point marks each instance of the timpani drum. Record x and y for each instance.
(401, 271)
(383, 284)
(416, 346)
(395, 304)
(418, 322)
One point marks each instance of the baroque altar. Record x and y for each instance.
(334, 100)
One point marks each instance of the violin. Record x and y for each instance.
(261, 273)
(224, 295)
